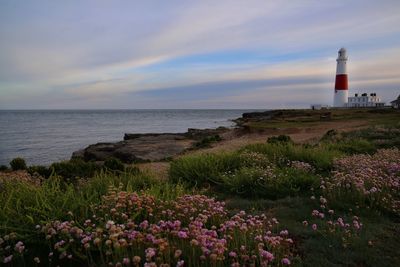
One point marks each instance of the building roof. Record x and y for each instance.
(396, 101)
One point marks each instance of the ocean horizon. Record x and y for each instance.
(43, 136)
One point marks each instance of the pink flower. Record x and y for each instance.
(232, 254)
(305, 223)
(126, 261)
(314, 227)
(182, 234)
(150, 253)
(266, 255)
(8, 259)
(285, 261)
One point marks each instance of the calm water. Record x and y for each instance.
(42, 137)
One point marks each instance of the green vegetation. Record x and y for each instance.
(207, 141)
(331, 203)
(74, 169)
(308, 118)
(113, 164)
(3, 168)
(280, 139)
(43, 171)
(18, 164)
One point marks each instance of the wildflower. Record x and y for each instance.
(285, 261)
(178, 253)
(19, 247)
(97, 241)
(150, 253)
(314, 227)
(213, 257)
(126, 261)
(266, 255)
(194, 242)
(284, 233)
(232, 254)
(136, 260)
(305, 223)
(180, 263)
(8, 259)
(182, 234)
(36, 259)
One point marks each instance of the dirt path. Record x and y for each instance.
(234, 140)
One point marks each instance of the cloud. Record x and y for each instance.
(100, 52)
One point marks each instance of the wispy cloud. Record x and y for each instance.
(208, 53)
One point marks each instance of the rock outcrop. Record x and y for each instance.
(146, 147)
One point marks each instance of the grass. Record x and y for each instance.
(205, 168)
(24, 205)
(280, 179)
(311, 118)
(317, 249)
(319, 157)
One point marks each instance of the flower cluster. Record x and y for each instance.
(255, 159)
(131, 229)
(10, 248)
(326, 222)
(302, 166)
(370, 180)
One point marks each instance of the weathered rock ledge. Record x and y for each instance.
(146, 147)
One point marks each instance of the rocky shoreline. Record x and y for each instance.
(147, 147)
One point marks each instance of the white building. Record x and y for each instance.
(364, 100)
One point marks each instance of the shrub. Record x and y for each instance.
(70, 170)
(18, 164)
(281, 139)
(271, 182)
(205, 168)
(113, 164)
(380, 136)
(207, 141)
(41, 170)
(330, 136)
(3, 168)
(357, 146)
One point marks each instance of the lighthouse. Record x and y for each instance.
(341, 82)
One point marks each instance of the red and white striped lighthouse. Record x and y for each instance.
(341, 82)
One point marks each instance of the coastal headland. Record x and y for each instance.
(282, 187)
(301, 125)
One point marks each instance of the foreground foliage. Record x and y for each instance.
(337, 202)
(131, 228)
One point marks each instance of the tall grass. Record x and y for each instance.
(319, 157)
(205, 168)
(23, 205)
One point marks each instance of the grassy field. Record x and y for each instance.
(313, 118)
(335, 202)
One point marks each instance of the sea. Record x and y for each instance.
(42, 137)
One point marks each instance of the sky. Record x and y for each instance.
(193, 54)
